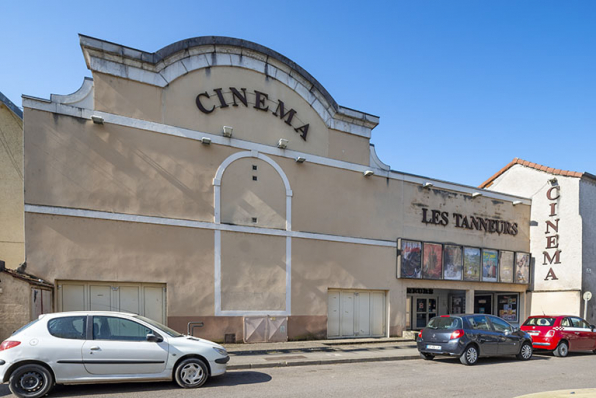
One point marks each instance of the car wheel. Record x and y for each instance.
(31, 381)
(562, 350)
(526, 352)
(191, 373)
(428, 357)
(470, 356)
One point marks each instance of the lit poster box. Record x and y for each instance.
(438, 261)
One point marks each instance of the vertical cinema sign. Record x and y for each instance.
(552, 253)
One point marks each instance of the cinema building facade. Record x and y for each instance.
(217, 181)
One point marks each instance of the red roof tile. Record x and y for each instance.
(547, 169)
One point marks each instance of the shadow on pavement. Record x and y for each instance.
(543, 353)
(4, 391)
(486, 361)
(232, 378)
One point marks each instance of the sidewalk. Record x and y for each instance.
(319, 352)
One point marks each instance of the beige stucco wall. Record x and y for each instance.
(70, 248)
(12, 240)
(319, 265)
(15, 304)
(127, 98)
(559, 303)
(75, 163)
(122, 169)
(253, 272)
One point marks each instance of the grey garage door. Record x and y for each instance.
(147, 299)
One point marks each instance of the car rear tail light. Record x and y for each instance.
(550, 333)
(6, 344)
(457, 334)
(420, 334)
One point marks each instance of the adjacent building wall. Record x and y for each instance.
(587, 210)
(562, 207)
(15, 304)
(12, 240)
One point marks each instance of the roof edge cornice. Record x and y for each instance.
(163, 58)
(10, 105)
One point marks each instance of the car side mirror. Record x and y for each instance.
(592, 327)
(154, 339)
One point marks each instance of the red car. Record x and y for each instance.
(560, 334)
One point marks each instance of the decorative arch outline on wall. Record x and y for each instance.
(217, 235)
(257, 155)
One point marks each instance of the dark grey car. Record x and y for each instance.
(472, 336)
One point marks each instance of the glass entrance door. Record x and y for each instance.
(483, 304)
(426, 308)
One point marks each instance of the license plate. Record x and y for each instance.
(433, 347)
(534, 333)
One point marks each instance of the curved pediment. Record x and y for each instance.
(163, 67)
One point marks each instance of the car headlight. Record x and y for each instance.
(221, 351)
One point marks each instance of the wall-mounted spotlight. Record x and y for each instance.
(227, 131)
(300, 159)
(427, 185)
(516, 202)
(97, 119)
(476, 194)
(206, 140)
(368, 173)
(553, 181)
(282, 143)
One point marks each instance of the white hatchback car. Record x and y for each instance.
(89, 347)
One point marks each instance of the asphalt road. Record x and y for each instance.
(443, 377)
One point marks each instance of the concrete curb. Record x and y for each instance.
(319, 362)
(295, 350)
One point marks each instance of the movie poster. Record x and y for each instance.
(522, 268)
(432, 264)
(471, 264)
(490, 262)
(453, 263)
(410, 259)
(506, 267)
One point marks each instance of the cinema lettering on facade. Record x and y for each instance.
(217, 181)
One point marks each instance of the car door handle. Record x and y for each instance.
(576, 332)
(94, 348)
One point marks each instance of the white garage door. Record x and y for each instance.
(354, 313)
(147, 299)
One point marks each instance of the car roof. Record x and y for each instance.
(74, 313)
(465, 315)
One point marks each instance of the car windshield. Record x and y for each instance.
(540, 321)
(446, 323)
(164, 328)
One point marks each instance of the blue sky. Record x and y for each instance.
(462, 87)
